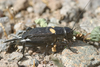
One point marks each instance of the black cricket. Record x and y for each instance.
(42, 36)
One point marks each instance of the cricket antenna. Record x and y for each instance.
(81, 12)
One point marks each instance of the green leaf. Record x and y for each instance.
(42, 22)
(95, 34)
(75, 33)
(57, 62)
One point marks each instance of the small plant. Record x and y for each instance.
(42, 22)
(57, 62)
(95, 34)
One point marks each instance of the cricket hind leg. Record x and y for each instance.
(23, 51)
(69, 42)
(51, 46)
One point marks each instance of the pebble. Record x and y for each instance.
(56, 14)
(29, 23)
(54, 20)
(40, 65)
(1, 32)
(83, 3)
(71, 24)
(18, 15)
(88, 24)
(20, 48)
(15, 56)
(54, 4)
(19, 5)
(4, 20)
(3, 46)
(30, 52)
(39, 8)
(63, 23)
(19, 26)
(83, 57)
(1, 13)
(5, 63)
(51, 24)
(30, 9)
(97, 11)
(70, 11)
(36, 62)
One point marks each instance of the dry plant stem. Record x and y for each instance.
(5, 33)
(45, 1)
(85, 36)
(11, 15)
(34, 63)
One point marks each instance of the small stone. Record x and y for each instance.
(54, 4)
(57, 15)
(40, 65)
(83, 55)
(52, 24)
(30, 52)
(15, 56)
(29, 23)
(5, 22)
(97, 11)
(3, 46)
(97, 44)
(19, 15)
(1, 32)
(19, 5)
(20, 48)
(47, 58)
(63, 23)
(36, 62)
(51, 64)
(82, 3)
(88, 24)
(5, 63)
(45, 62)
(54, 20)
(39, 8)
(34, 53)
(19, 26)
(95, 4)
(1, 13)
(71, 24)
(70, 11)
(30, 9)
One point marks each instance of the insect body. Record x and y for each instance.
(48, 34)
(43, 36)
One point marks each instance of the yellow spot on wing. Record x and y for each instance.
(52, 26)
(52, 30)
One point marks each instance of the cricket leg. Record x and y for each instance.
(68, 46)
(52, 46)
(22, 53)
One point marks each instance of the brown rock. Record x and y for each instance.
(20, 4)
(30, 52)
(19, 26)
(5, 63)
(57, 15)
(54, 4)
(39, 8)
(40, 65)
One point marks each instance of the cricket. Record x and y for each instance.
(48, 37)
